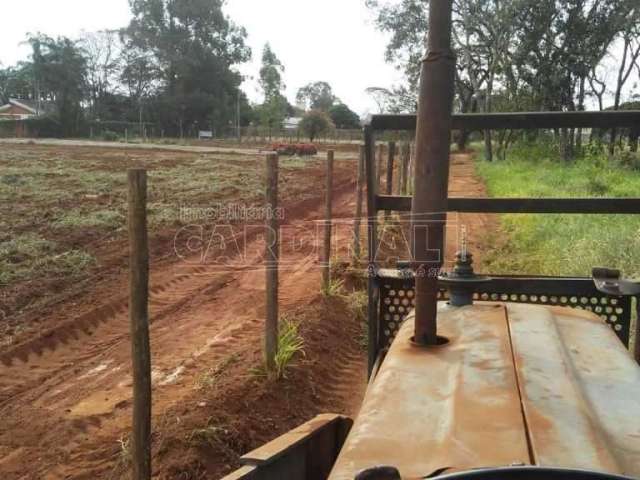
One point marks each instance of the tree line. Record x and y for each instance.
(319, 109)
(175, 66)
(520, 55)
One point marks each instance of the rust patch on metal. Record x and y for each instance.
(453, 406)
(517, 384)
(580, 390)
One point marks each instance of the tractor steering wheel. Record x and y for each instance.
(531, 473)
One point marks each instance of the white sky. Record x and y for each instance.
(330, 40)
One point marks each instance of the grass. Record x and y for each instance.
(100, 219)
(215, 433)
(55, 202)
(125, 456)
(334, 288)
(209, 378)
(30, 255)
(563, 244)
(358, 304)
(290, 344)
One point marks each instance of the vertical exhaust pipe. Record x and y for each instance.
(433, 138)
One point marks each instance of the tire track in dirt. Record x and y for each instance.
(73, 382)
(64, 407)
(108, 323)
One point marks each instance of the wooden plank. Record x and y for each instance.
(275, 449)
(244, 473)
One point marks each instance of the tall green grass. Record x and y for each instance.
(563, 244)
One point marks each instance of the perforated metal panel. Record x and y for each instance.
(397, 298)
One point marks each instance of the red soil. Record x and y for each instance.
(65, 393)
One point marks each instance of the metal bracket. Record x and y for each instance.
(608, 281)
(462, 282)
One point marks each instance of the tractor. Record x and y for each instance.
(475, 377)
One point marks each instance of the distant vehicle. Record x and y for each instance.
(300, 149)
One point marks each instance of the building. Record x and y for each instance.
(17, 111)
(291, 123)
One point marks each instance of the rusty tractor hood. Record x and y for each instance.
(517, 384)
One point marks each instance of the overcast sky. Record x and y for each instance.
(330, 40)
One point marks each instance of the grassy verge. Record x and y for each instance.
(563, 244)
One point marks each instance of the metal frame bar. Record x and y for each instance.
(372, 236)
(493, 121)
(575, 292)
(517, 121)
(521, 205)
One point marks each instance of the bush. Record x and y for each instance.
(109, 136)
(300, 149)
(315, 123)
(44, 127)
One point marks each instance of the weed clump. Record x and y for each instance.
(290, 343)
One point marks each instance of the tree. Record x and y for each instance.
(17, 82)
(59, 71)
(139, 73)
(316, 96)
(271, 74)
(275, 107)
(406, 21)
(532, 54)
(629, 61)
(6, 76)
(195, 47)
(314, 123)
(398, 99)
(101, 50)
(343, 117)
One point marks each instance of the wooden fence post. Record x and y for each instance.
(326, 258)
(404, 167)
(359, 199)
(390, 161)
(380, 163)
(412, 168)
(272, 256)
(139, 324)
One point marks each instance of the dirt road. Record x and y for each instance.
(202, 147)
(54, 142)
(65, 397)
